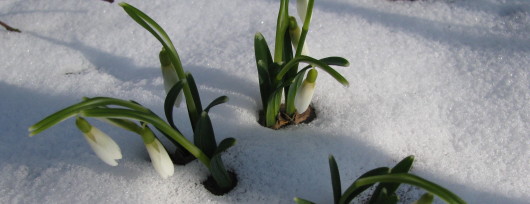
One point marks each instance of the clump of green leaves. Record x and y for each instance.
(278, 72)
(388, 181)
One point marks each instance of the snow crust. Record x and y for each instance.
(447, 81)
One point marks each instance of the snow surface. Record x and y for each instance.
(447, 81)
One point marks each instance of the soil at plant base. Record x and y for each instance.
(285, 120)
(182, 157)
(212, 186)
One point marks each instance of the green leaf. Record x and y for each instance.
(263, 61)
(410, 179)
(335, 179)
(287, 56)
(403, 166)
(273, 108)
(337, 61)
(264, 83)
(171, 97)
(355, 189)
(261, 49)
(302, 201)
(219, 173)
(217, 101)
(291, 64)
(281, 27)
(204, 136)
(383, 197)
(225, 145)
(195, 113)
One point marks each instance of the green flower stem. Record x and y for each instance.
(305, 27)
(72, 110)
(152, 119)
(281, 28)
(125, 124)
(441, 192)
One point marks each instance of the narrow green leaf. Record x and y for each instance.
(263, 61)
(194, 113)
(204, 136)
(261, 49)
(355, 189)
(302, 201)
(337, 61)
(313, 62)
(403, 166)
(170, 101)
(273, 108)
(217, 101)
(382, 196)
(219, 173)
(264, 83)
(335, 179)
(287, 56)
(281, 27)
(410, 179)
(225, 145)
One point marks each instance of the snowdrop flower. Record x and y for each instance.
(295, 32)
(169, 74)
(301, 7)
(104, 147)
(158, 154)
(304, 95)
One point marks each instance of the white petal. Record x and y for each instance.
(303, 97)
(301, 7)
(160, 159)
(170, 79)
(104, 147)
(305, 50)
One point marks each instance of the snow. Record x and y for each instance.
(447, 81)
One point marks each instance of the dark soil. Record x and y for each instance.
(285, 120)
(212, 186)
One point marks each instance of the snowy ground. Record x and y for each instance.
(446, 80)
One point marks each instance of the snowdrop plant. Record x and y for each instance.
(388, 180)
(134, 117)
(278, 72)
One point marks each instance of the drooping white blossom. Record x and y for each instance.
(104, 147)
(160, 158)
(301, 8)
(304, 95)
